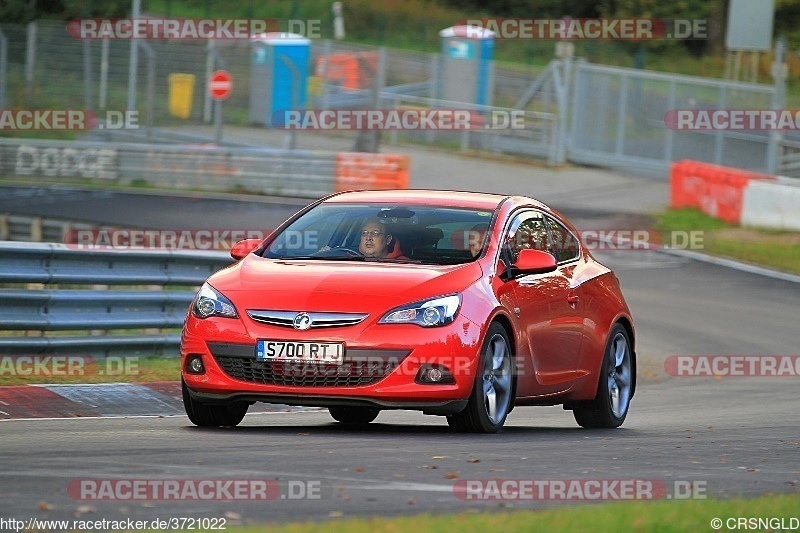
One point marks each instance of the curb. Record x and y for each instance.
(101, 400)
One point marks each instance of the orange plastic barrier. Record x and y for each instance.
(352, 71)
(357, 171)
(715, 190)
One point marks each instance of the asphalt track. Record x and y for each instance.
(731, 436)
(405, 463)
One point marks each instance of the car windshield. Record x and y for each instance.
(384, 232)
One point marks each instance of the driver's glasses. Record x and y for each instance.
(374, 234)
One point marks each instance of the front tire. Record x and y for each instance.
(204, 415)
(615, 387)
(355, 416)
(492, 394)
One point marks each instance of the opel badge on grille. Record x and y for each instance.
(302, 321)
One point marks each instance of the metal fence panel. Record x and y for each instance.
(618, 120)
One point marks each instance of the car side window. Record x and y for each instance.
(527, 230)
(564, 244)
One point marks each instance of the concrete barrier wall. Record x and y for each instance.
(772, 205)
(736, 196)
(717, 191)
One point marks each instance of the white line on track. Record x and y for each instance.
(735, 265)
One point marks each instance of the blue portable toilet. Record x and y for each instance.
(466, 70)
(278, 74)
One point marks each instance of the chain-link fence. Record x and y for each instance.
(49, 69)
(587, 114)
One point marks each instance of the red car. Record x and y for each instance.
(459, 304)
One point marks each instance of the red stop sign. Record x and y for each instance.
(220, 85)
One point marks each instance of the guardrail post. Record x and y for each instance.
(36, 229)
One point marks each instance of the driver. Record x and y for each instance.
(374, 240)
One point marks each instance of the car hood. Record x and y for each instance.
(259, 283)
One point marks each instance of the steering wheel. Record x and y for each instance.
(332, 252)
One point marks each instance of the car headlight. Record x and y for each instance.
(429, 313)
(209, 302)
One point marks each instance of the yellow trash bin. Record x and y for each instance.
(181, 92)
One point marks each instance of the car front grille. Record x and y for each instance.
(348, 374)
(360, 367)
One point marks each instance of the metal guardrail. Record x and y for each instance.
(37, 229)
(295, 173)
(90, 319)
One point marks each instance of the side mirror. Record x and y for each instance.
(242, 248)
(532, 261)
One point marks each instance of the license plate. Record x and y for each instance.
(315, 352)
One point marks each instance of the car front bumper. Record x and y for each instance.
(376, 372)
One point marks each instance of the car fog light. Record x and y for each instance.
(195, 365)
(436, 375)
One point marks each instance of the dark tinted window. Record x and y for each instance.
(527, 230)
(564, 245)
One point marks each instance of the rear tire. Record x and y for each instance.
(493, 391)
(355, 416)
(204, 415)
(617, 382)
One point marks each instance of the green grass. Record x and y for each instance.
(660, 516)
(688, 219)
(772, 249)
(118, 369)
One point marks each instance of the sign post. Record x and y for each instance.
(219, 86)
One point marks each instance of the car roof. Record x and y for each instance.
(471, 200)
